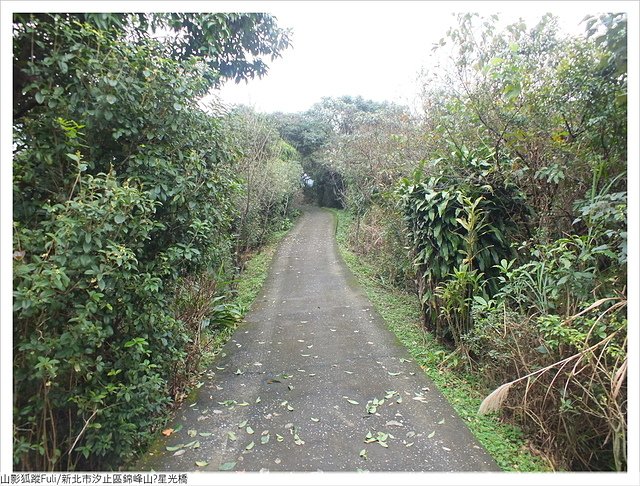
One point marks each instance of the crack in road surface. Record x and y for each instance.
(294, 388)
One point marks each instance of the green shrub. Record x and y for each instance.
(455, 228)
(123, 211)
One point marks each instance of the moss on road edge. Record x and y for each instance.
(400, 311)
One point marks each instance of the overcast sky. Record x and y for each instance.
(373, 49)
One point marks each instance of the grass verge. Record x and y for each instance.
(256, 271)
(248, 285)
(400, 310)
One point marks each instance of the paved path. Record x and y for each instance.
(289, 379)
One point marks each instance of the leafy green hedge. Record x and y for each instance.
(123, 223)
(458, 227)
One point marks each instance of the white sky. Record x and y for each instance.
(373, 49)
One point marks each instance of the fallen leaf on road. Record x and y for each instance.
(372, 405)
(315, 419)
(352, 402)
(441, 422)
(363, 454)
(232, 435)
(431, 434)
(279, 438)
(394, 374)
(380, 438)
(202, 463)
(192, 432)
(242, 424)
(174, 448)
(179, 453)
(446, 448)
(204, 434)
(250, 446)
(394, 423)
(249, 430)
(167, 432)
(227, 466)
(264, 439)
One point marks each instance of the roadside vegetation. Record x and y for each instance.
(503, 208)
(400, 310)
(135, 209)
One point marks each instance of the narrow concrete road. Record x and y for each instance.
(292, 388)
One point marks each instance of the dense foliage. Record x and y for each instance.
(270, 170)
(510, 195)
(460, 230)
(124, 213)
